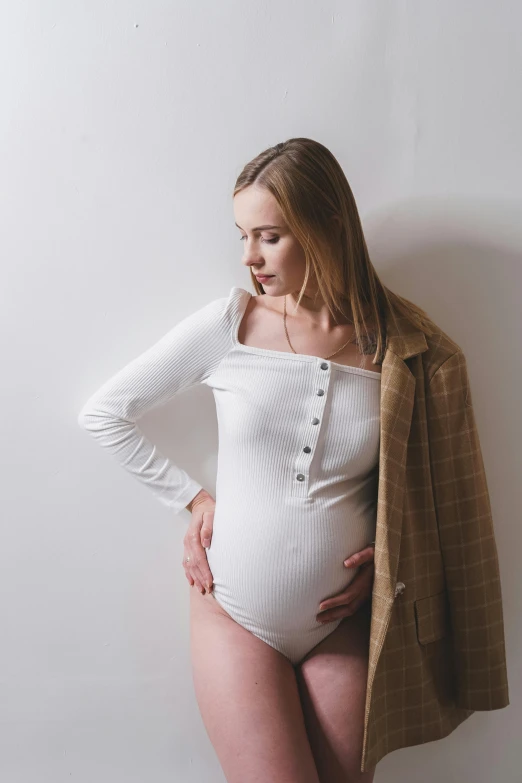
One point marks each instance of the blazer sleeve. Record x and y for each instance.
(467, 539)
(185, 356)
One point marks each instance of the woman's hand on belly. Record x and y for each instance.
(358, 591)
(196, 539)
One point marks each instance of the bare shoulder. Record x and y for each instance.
(262, 327)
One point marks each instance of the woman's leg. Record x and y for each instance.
(248, 698)
(332, 683)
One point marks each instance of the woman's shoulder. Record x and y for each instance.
(419, 334)
(440, 347)
(222, 308)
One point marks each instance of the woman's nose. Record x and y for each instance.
(251, 259)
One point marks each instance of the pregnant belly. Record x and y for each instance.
(273, 573)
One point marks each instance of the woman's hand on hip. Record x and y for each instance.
(197, 539)
(358, 591)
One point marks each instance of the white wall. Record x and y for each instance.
(124, 125)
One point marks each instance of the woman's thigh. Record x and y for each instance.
(332, 685)
(248, 698)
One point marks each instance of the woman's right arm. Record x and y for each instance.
(183, 357)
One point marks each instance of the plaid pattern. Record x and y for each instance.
(437, 650)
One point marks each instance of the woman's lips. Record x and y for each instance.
(262, 278)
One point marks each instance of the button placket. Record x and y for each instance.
(311, 429)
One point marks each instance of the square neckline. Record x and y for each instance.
(287, 354)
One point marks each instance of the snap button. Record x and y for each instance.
(307, 449)
(315, 421)
(324, 366)
(320, 392)
(399, 588)
(300, 477)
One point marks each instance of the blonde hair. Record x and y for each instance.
(318, 206)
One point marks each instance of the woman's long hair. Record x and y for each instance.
(317, 203)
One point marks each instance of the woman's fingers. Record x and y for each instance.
(366, 555)
(192, 569)
(205, 538)
(342, 599)
(340, 611)
(349, 600)
(206, 532)
(198, 560)
(200, 570)
(197, 569)
(342, 605)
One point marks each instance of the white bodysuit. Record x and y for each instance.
(297, 476)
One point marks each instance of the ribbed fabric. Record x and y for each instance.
(296, 487)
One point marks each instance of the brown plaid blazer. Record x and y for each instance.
(437, 650)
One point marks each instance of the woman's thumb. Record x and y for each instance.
(206, 534)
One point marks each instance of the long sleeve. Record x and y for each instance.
(467, 539)
(183, 357)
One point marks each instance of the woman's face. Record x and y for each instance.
(269, 248)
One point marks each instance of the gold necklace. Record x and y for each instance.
(290, 344)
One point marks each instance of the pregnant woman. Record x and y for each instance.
(320, 381)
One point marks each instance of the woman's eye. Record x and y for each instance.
(270, 241)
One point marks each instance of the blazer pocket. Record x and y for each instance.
(431, 617)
